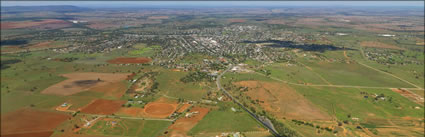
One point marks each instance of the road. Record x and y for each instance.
(266, 123)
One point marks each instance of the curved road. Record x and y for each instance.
(265, 122)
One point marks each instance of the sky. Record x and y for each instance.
(213, 3)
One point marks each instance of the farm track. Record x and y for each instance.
(391, 75)
(316, 73)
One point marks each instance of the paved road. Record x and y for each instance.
(266, 123)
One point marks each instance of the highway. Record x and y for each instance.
(265, 123)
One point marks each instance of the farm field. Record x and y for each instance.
(225, 121)
(126, 127)
(282, 101)
(78, 82)
(173, 87)
(31, 120)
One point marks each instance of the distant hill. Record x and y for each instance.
(55, 8)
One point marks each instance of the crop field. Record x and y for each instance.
(126, 127)
(78, 82)
(102, 106)
(185, 124)
(225, 121)
(354, 74)
(30, 120)
(295, 73)
(359, 106)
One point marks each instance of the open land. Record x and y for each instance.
(304, 71)
(78, 82)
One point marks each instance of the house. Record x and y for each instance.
(233, 109)
(220, 98)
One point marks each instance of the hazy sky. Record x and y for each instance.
(212, 3)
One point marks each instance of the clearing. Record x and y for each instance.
(282, 101)
(79, 82)
(184, 124)
(161, 108)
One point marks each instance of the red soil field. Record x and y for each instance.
(139, 60)
(29, 121)
(236, 20)
(184, 124)
(31, 134)
(48, 23)
(374, 44)
(102, 106)
(159, 110)
(183, 108)
(415, 98)
(132, 111)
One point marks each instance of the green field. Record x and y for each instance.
(170, 85)
(226, 121)
(357, 105)
(127, 127)
(144, 50)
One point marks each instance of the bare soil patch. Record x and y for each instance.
(184, 124)
(161, 108)
(30, 134)
(374, 44)
(79, 82)
(183, 108)
(23, 121)
(116, 89)
(132, 111)
(102, 106)
(282, 101)
(139, 60)
(415, 98)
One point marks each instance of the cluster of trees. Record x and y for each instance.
(282, 129)
(5, 63)
(196, 76)
(299, 122)
(70, 59)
